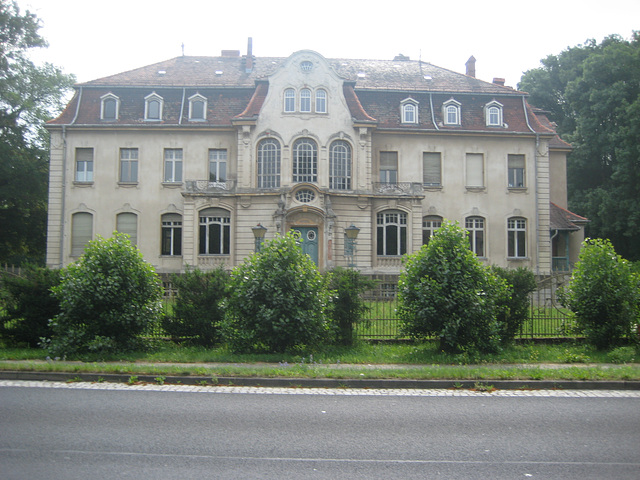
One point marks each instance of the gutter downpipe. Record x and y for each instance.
(64, 177)
(184, 93)
(433, 116)
(535, 160)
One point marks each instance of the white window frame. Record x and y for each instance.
(340, 165)
(218, 164)
(171, 235)
(197, 98)
(269, 163)
(493, 114)
(289, 100)
(430, 224)
(475, 225)
(451, 107)
(385, 221)
(409, 111)
(516, 170)
(173, 165)
(517, 237)
(305, 100)
(84, 165)
(153, 97)
(389, 167)
(211, 219)
(321, 100)
(305, 161)
(103, 100)
(131, 161)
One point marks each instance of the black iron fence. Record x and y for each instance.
(547, 318)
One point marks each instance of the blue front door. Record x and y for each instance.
(309, 241)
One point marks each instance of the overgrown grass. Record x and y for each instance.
(402, 361)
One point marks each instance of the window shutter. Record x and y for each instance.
(432, 169)
(475, 170)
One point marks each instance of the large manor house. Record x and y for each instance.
(194, 157)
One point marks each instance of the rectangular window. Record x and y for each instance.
(81, 232)
(517, 234)
(84, 164)
(321, 101)
(475, 227)
(217, 165)
(128, 165)
(173, 165)
(516, 165)
(215, 235)
(431, 169)
(389, 167)
(289, 100)
(171, 235)
(391, 233)
(475, 170)
(128, 223)
(305, 100)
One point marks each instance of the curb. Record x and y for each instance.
(325, 382)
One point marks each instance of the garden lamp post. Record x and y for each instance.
(258, 234)
(351, 233)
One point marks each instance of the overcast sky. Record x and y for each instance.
(97, 38)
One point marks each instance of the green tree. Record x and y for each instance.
(29, 96)
(593, 94)
(521, 282)
(107, 299)
(29, 305)
(603, 294)
(197, 309)
(278, 300)
(347, 307)
(444, 291)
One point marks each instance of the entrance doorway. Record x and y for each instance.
(308, 241)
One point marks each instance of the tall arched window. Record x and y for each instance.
(171, 241)
(128, 223)
(321, 101)
(340, 165)
(289, 100)
(305, 161)
(215, 232)
(517, 237)
(269, 163)
(81, 232)
(305, 100)
(430, 224)
(475, 227)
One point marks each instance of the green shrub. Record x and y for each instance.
(277, 300)
(521, 282)
(444, 291)
(197, 309)
(603, 294)
(347, 307)
(29, 305)
(107, 299)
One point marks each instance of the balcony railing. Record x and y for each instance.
(398, 188)
(206, 186)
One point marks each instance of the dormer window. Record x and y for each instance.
(451, 112)
(109, 107)
(289, 100)
(409, 109)
(197, 107)
(493, 114)
(153, 104)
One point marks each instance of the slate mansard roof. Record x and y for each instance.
(236, 87)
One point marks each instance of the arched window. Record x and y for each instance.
(171, 240)
(153, 107)
(321, 101)
(409, 110)
(340, 165)
(128, 223)
(305, 100)
(197, 107)
(517, 237)
(269, 163)
(451, 112)
(391, 233)
(493, 114)
(475, 227)
(81, 232)
(289, 100)
(430, 224)
(215, 232)
(109, 107)
(305, 160)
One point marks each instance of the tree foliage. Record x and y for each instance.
(29, 96)
(593, 94)
(603, 294)
(197, 309)
(444, 291)
(107, 299)
(521, 282)
(278, 300)
(347, 307)
(29, 305)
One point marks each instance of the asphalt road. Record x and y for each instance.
(51, 433)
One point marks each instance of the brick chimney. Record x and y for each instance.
(499, 81)
(471, 66)
(249, 59)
